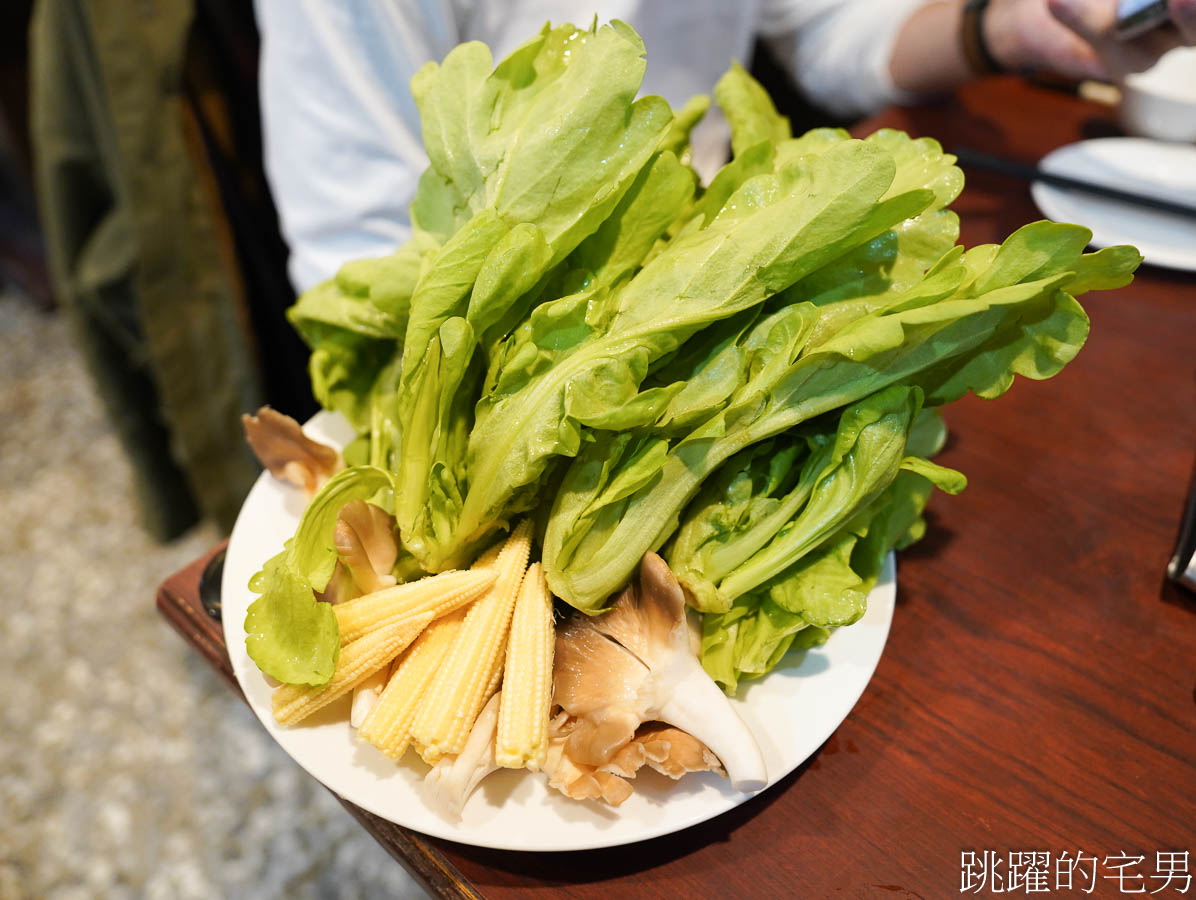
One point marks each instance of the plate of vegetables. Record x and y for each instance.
(789, 713)
(594, 539)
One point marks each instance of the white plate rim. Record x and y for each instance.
(866, 639)
(1057, 204)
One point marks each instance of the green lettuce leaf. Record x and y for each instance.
(752, 638)
(840, 478)
(878, 273)
(370, 297)
(654, 201)
(354, 324)
(539, 152)
(782, 227)
(943, 335)
(827, 588)
(734, 373)
(435, 411)
(710, 367)
(676, 139)
(552, 136)
(311, 554)
(550, 140)
(749, 110)
(447, 281)
(289, 634)
(344, 368)
(755, 492)
(760, 159)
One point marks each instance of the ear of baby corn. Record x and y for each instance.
(367, 694)
(390, 729)
(473, 668)
(522, 738)
(437, 594)
(489, 559)
(388, 726)
(357, 662)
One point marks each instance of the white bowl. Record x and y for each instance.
(1160, 103)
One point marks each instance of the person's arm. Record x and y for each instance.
(343, 150)
(927, 54)
(1069, 37)
(838, 51)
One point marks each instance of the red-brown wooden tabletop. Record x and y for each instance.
(1037, 689)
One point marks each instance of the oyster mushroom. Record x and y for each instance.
(575, 779)
(634, 664)
(280, 445)
(668, 750)
(664, 748)
(365, 543)
(453, 779)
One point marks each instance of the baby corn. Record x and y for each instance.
(437, 594)
(522, 739)
(388, 726)
(390, 729)
(471, 673)
(489, 559)
(357, 662)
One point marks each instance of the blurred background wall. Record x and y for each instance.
(22, 257)
(161, 237)
(128, 769)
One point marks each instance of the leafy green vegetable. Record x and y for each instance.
(736, 372)
(540, 151)
(752, 639)
(942, 335)
(553, 136)
(653, 202)
(742, 537)
(873, 276)
(676, 140)
(289, 634)
(825, 589)
(312, 552)
(354, 324)
(868, 451)
(749, 111)
(774, 229)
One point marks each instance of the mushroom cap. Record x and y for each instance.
(629, 666)
(280, 445)
(365, 542)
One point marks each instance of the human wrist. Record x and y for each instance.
(1002, 36)
(974, 40)
(927, 55)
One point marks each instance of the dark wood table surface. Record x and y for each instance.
(1037, 689)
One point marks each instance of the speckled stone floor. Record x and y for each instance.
(126, 768)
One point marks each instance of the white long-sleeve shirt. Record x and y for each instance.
(342, 134)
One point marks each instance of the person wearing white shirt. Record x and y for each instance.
(342, 133)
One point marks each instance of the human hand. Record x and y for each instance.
(1075, 37)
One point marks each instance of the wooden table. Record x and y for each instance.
(1036, 693)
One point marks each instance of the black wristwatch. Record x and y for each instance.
(975, 47)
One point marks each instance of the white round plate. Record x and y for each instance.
(791, 711)
(1139, 165)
